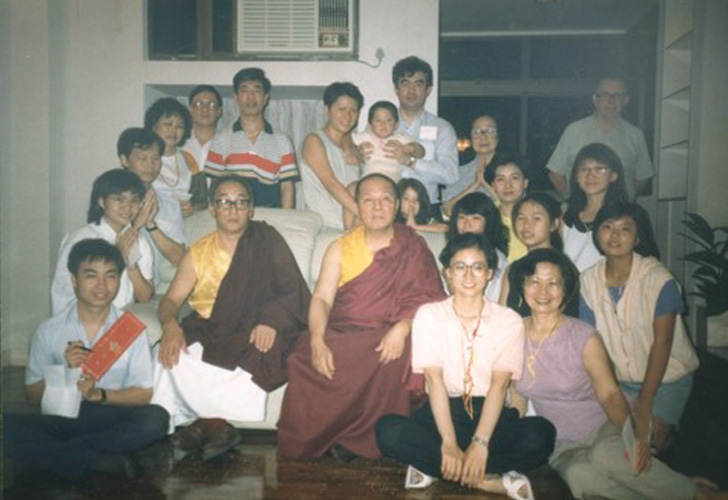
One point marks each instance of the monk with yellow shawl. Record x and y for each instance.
(249, 304)
(353, 365)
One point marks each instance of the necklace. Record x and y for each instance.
(468, 382)
(533, 353)
(176, 169)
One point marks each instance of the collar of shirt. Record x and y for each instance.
(79, 332)
(267, 128)
(106, 230)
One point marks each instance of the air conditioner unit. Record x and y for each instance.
(293, 29)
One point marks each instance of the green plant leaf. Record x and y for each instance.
(705, 271)
(705, 258)
(697, 241)
(700, 227)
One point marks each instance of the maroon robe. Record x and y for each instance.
(263, 286)
(318, 413)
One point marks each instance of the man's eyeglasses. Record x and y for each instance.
(478, 269)
(489, 131)
(606, 96)
(228, 204)
(205, 105)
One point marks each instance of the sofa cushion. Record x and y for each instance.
(297, 227)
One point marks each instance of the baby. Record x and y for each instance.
(383, 121)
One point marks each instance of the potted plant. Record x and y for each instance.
(710, 274)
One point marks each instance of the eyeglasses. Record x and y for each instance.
(228, 204)
(489, 131)
(478, 269)
(597, 170)
(606, 96)
(205, 104)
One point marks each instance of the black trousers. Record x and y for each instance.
(517, 443)
(68, 447)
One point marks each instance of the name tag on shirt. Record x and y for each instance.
(428, 133)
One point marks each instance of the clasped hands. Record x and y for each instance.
(466, 468)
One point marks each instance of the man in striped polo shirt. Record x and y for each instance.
(252, 149)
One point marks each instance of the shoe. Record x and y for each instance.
(417, 480)
(189, 440)
(219, 439)
(514, 483)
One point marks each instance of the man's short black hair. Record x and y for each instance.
(93, 250)
(392, 184)
(169, 106)
(251, 75)
(408, 67)
(205, 88)
(116, 181)
(138, 138)
(469, 240)
(339, 89)
(218, 181)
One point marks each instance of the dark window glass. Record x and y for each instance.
(491, 59)
(223, 24)
(575, 57)
(172, 28)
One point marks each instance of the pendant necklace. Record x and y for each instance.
(533, 353)
(468, 345)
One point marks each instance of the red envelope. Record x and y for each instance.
(113, 344)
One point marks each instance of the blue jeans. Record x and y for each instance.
(516, 444)
(69, 447)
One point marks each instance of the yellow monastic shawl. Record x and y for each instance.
(355, 256)
(211, 264)
(516, 248)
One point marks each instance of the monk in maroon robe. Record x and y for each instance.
(353, 365)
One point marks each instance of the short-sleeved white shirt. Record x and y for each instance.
(62, 293)
(438, 341)
(48, 345)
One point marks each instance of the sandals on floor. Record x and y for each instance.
(417, 480)
(513, 482)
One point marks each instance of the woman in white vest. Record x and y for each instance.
(636, 305)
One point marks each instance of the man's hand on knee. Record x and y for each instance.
(322, 359)
(173, 341)
(263, 337)
(392, 345)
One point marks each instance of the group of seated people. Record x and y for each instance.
(556, 339)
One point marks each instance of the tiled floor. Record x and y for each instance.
(253, 470)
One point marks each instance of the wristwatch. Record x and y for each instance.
(103, 396)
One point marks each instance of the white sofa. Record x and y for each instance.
(308, 241)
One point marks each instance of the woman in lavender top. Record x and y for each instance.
(568, 377)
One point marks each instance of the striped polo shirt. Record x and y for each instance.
(265, 163)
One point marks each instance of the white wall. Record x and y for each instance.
(77, 78)
(710, 195)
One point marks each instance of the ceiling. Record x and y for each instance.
(462, 19)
